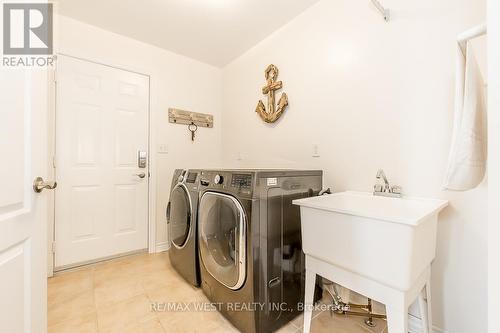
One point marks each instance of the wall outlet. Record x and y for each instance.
(315, 150)
(163, 148)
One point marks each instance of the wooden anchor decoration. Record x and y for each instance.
(272, 114)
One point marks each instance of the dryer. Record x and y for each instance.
(250, 245)
(182, 211)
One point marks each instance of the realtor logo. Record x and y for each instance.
(27, 29)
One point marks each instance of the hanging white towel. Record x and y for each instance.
(467, 160)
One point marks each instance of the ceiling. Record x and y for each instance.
(212, 31)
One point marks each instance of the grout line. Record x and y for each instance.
(93, 311)
(161, 325)
(65, 301)
(313, 317)
(156, 315)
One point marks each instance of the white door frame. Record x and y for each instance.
(52, 149)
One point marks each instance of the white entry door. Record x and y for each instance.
(23, 222)
(101, 205)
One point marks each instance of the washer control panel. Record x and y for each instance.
(241, 181)
(234, 182)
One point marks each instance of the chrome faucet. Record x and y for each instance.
(381, 174)
(386, 190)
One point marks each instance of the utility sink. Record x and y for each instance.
(388, 240)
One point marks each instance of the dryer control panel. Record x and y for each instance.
(191, 177)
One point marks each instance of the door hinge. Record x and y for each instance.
(54, 161)
(54, 247)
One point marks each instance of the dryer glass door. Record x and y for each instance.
(222, 238)
(180, 216)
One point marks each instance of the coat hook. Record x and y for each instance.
(384, 11)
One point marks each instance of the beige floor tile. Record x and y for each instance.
(175, 322)
(115, 290)
(325, 323)
(83, 324)
(176, 293)
(196, 322)
(122, 267)
(73, 308)
(150, 326)
(150, 262)
(289, 328)
(299, 320)
(123, 315)
(65, 286)
(229, 328)
(162, 277)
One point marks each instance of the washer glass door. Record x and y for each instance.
(222, 238)
(180, 216)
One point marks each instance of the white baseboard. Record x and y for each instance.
(415, 326)
(162, 247)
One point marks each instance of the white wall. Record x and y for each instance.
(371, 95)
(176, 81)
(494, 164)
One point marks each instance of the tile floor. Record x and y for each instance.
(116, 296)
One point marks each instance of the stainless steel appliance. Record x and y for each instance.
(181, 219)
(250, 245)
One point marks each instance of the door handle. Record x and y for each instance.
(167, 213)
(274, 282)
(39, 185)
(141, 175)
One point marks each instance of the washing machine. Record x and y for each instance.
(182, 211)
(250, 244)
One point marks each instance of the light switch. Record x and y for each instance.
(240, 156)
(315, 150)
(162, 148)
